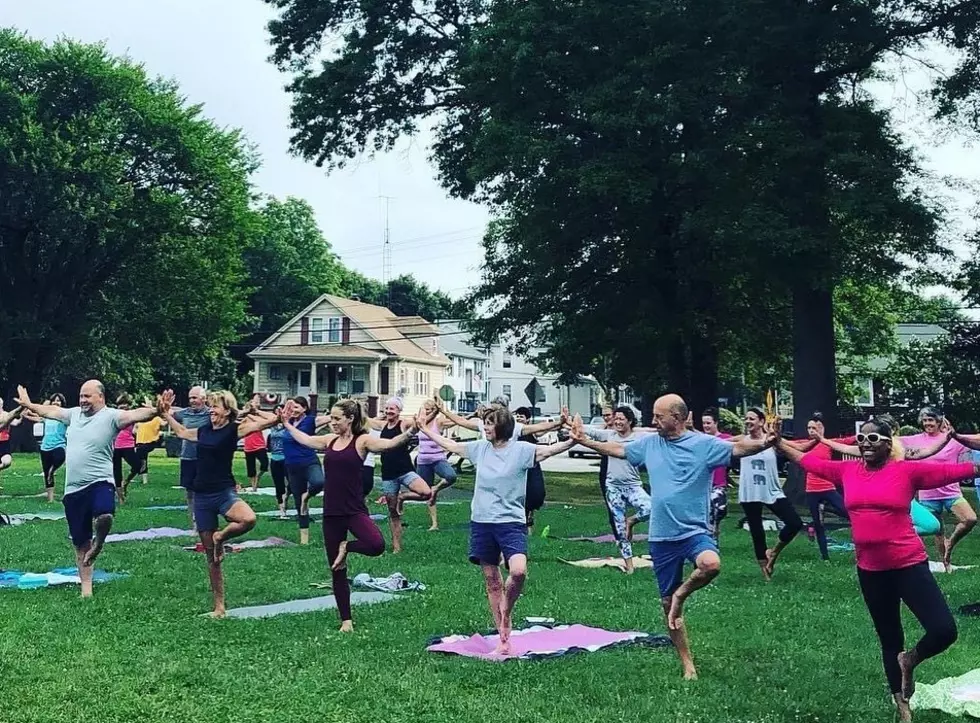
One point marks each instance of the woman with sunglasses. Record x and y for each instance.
(892, 564)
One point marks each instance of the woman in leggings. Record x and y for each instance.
(758, 487)
(277, 462)
(124, 449)
(53, 442)
(303, 469)
(344, 510)
(432, 461)
(892, 565)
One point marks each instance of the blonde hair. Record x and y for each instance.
(354, 412)
(124, 399)
(227, 400)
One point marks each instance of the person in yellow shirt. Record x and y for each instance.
(147, 439)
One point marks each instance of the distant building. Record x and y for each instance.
(467, 372)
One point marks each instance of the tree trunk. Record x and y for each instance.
(704, 376)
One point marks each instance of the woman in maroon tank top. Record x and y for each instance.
(343, 494)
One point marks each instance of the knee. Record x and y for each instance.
(393, 510)
(970, 523)
(946, 633)
(248, 521)
(709, 565)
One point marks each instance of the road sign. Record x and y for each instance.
(447, 393)
(534, 392)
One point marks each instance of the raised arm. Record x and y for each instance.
(790, 450)
(542, 452)
(379, 444)
(970, 441)
(313, 442)
(179, 429)
(746, 446)
(542, 427)
(11, 417)
(608, 449)
(926, 452)
(447, 444)
(471, 424)
(48, 411)
(256, 421)
(849, 449)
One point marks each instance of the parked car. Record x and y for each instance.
(582, 451)
(545, 437)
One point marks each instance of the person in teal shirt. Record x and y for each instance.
(52, 443)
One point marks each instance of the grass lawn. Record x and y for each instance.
(798, 649)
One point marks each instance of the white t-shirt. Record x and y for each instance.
(758, 478)
(369, 457)
(501, 480)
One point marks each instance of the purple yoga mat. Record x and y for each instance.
(534, 642)
(603, 538)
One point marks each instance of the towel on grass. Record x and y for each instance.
(939, 567)
(955, 696)
(154, 533)
(327, 602)
(246, 545)
(639, 563)
(60, 576)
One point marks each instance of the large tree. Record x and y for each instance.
(123, 213)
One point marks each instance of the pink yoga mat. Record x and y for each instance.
(535, 642)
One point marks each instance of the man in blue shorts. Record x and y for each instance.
(90, 492)
(680, 464)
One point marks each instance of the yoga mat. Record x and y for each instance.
(955, 696)
(60, 576)
(639, 563)
(539, 642)
(167, 507)
(289, 513)
(313, 604)
(246, 545)
(938, 567)
(263, 491)
(767, 525)
(30, 516)
(600, 538)
(154, 533)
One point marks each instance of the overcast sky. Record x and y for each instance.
(217, 50)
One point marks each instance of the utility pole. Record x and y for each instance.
(386, 251)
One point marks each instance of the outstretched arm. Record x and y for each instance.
(926, 452)
(542, 452)
(379, 444)
(313, 442)
(9, 418)
(849, 449)
(789, 450)
(48, 411)
(746, 446)
(542, 427)
(970, 441)
(132, 416)
(471, 424)
(256, 421)
(179, 429)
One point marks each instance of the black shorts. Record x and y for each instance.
(260, 455)
(4, 448)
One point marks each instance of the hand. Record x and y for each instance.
(437, 401)
(22, 398)
(288, 410)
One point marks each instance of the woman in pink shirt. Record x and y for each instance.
(124, 448)
(892, 564)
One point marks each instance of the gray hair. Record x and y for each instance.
(930, 412)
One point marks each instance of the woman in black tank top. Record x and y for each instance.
(343, 500)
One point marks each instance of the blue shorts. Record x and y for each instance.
(430, 470)
(669, 557)
(938, 507)
(208, 505)
(84, 505)
(391, 487)
(188, 471)
(490, 540)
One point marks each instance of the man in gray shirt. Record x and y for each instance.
(90, 492)
(194, 416)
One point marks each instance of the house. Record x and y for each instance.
(338, 347)
(468, 366)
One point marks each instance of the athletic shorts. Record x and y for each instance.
(391, 487)
(188, 472)
(84, 505)
(669, 557)
(261, 456)
(938, 507)
(208, 505)
(490, 540)
(429, 471)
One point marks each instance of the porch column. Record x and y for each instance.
(256, 375)
(313, 391)
(373, 389)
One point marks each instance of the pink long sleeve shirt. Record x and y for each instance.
(878, 502)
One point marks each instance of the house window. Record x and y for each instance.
(275, 373)
(304, 379)
(507, 360)
(358, 379)
(506, 391)
(422, 384)
(865, 396)
(316, 330)
(402, 381)
(333, 330)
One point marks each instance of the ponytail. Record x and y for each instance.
(354, 412)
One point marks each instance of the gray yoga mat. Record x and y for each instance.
(313, 604)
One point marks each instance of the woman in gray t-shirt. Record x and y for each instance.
(498, 529)
(624, 488)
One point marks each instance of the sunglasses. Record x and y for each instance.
(873, 438)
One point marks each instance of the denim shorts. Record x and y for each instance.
(208, 505)
(430, 470)
(938, 507)
(391, 487)
(490, 540)
(669, 557)
(84, 505)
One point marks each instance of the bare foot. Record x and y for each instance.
(219, 547)
(93, 552)
(675, 619)
(764, 566)
(503, 648)
(434, 528)
(217, 613)
(341, 562)
(690, 672)
(347, 626)
(907, 666)
(86, 590)
(628, 566)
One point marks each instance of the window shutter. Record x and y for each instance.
(345, 332)
(385, 380)
(304, 331)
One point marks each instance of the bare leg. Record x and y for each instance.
(495, 596)
(433, 512)
(902, 708)
(513, 587)
(241, 519)
(707, 568)
(214, 574)
(84, 573)
(395, 520)
(966, 520)
(103, 523)
(190, 510)
(941, 541)
(50, 491)
(254, 482)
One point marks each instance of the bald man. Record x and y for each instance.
(90, 492)
(193, 416)
(680, 463)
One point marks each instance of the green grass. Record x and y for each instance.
(798, 649)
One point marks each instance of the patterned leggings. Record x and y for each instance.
(619, 498)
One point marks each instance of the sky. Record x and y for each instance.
(217, 50)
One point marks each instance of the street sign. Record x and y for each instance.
(534, 392)
(447, 393)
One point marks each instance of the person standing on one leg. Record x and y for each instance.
(720, 480)
(256, 458)
(89, 498)
(52, 443)
(344, 509)
(147, 439)
(214, 483)
(679, 463)
(195, 414)
(498, 521)
(124, 450)
(892, 564)
(277, 461)
(303, 470)
(432, 462)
